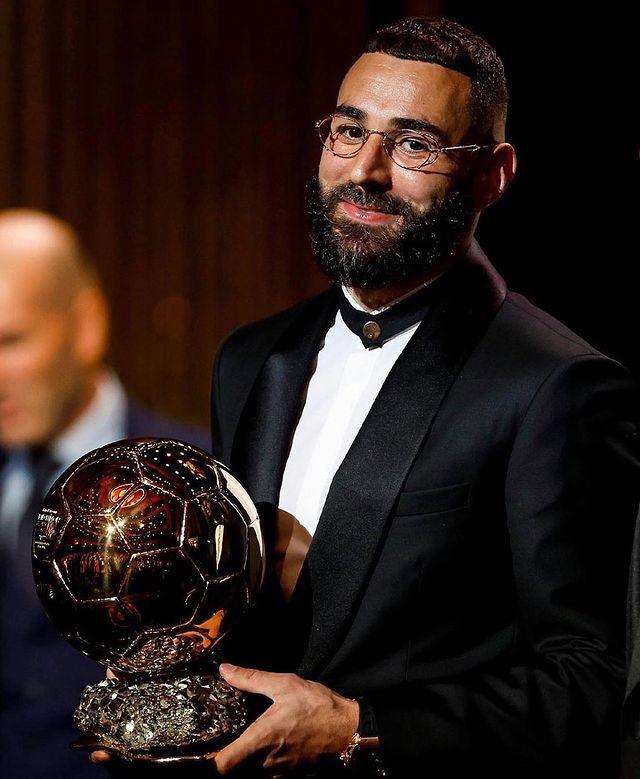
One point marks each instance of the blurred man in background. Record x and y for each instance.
(58, 400)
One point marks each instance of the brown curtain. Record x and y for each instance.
(177, 137)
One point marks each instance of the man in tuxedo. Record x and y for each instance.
(58, 400)
(462, 467)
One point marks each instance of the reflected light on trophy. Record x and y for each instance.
(146, 552)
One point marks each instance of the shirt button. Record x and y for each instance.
(371, 331)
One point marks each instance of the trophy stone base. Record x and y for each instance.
(169, 720)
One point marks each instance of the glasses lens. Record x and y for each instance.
(341, 135)
(412, 150)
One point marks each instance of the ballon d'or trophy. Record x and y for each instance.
(146, 552)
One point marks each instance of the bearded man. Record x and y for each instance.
(453, 473)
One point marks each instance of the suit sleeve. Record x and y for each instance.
(223, 384)
(632, 701)
(217, 449)
(552, 705)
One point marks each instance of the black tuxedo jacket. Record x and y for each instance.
(632, 701)
(41, 675)
(468, 573)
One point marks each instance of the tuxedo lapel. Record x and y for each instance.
(366, 486)
(270, 414)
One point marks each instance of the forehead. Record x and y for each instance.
(386, 87)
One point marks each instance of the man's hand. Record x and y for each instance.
(305, 721)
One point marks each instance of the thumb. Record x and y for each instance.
(252, 680)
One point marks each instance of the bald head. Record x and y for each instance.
(53, 324)
(41, 245)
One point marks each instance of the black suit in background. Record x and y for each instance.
(468, 573)
(41, 675)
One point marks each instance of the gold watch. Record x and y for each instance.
(349, 754)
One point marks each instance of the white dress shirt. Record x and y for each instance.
(346, 381)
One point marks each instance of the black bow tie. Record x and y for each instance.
(375, 329)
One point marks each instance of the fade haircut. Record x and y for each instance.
(453, 46)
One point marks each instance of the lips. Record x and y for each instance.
(368, 214)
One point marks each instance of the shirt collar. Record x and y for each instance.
(102, 422)
(359, 307)
(374, 328)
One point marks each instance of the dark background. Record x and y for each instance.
(177, 136)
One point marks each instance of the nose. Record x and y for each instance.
(371, 167)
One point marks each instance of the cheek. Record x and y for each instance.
(424, 190)
(19, 362)
(46, 361)
(334, 170)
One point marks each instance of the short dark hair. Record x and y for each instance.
(450, 44)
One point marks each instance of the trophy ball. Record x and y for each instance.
(145, 553)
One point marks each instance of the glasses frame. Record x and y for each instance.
(388, 144)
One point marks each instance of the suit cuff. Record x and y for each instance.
(367, 724)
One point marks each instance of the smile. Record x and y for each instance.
(364, 214)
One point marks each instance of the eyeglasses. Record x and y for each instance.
(410, 149)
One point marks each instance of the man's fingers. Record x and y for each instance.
(246, 745)
(252, 680)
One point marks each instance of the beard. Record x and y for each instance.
(361, 256)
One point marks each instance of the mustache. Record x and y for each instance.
(358, 255)
(376, 201)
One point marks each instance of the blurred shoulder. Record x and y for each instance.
(143, 422)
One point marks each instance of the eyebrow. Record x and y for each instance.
(397, 123)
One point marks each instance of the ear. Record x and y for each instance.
(91, 317)
(493, 175)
